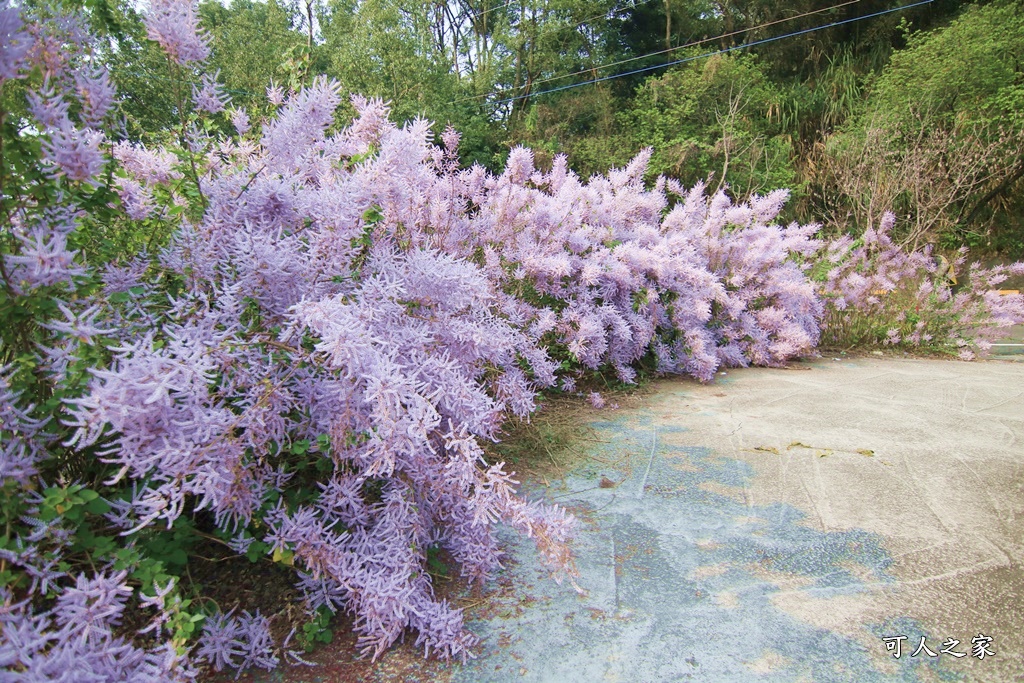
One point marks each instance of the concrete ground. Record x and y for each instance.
(780, 525)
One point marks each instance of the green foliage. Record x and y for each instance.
(968, 70)
(183, 624)
(713, 120)
(732, 119)
(144, 80)
(939, 139)
(254, 44)
(77, 536)
(316, 630)
(436, 565)
(582, 124)
(381, 49)
(815, 108)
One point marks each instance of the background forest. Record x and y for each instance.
(917, 110)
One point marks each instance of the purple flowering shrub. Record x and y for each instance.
(291, 375)
(875, 293)
(303, 370)
(608, 273)
(65, 584)
(770, 312)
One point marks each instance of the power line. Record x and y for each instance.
(632, 5)
(710, 54)
(488, 11)
(612, 11)
(671, 49)
(698, 42)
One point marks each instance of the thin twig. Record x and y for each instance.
(249, 182)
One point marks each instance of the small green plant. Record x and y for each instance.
(316, 630)
(436, 566)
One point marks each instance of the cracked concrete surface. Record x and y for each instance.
(776, 525)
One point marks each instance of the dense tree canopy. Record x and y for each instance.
(253, 42)
(939, 138)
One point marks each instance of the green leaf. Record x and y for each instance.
(284, 556)
(373, 215)
(103, 545)
(256, 550)
(98, 506)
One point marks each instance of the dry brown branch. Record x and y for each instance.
(933, 179)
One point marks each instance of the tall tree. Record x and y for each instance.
(712, 121)
(385, 48)
(252, 41)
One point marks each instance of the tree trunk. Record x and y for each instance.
(668, 26)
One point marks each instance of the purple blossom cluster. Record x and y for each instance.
(71, 144)
(608, 271)
(174, 24)
(14, 41)
(354, 296)
(76, 640)
(78, 637)
(210, 96)
(56, 45)
(398, 355)
(237, 642)
(877, 293)
(358, 248)
(302, 320)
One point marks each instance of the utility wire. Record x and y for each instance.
(698, 42)
(487, 11)
(671, 49)
(632, 5)
(152, 76)
(711, 54)
(609, 14)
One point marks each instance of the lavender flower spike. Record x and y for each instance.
(14, 43)
(210, 97)
(175, 25)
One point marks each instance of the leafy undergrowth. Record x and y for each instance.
(879, 295)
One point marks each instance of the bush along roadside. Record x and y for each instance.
(877, 294)
(289, 339)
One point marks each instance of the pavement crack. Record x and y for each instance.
(982, 484)
(650, 461)
(814, 504)
(615, 572)
(1000, 403)
(909, 472)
